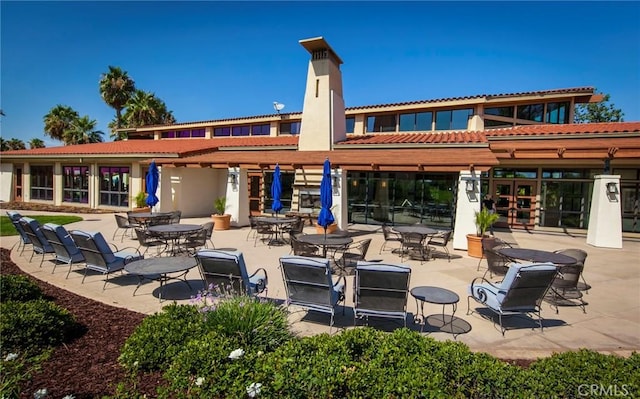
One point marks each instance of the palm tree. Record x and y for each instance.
(116, 88)
(16, 144)
(58, 121)
(83, 132)
(144, 109)
(36, 143)
(114, 125)
(4, 145)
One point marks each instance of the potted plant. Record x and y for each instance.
(221, 220)
(330, 228)
(140, 201)
(483, 220)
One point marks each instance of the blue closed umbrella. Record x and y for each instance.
(325, 217)
(153, 176)
(276, 191)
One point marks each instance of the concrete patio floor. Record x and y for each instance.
(611, 323)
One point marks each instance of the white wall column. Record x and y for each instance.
(6, 182)
(339, 198)
(467, 205)
(234, 197)
(605, 216)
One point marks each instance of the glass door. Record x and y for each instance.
(515, 203)
(255, 191)
(17, 184)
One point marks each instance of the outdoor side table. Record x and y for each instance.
(159, 269)
(435, 295)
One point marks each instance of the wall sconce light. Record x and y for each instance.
(612, 188)
(470, 186)
(354, 183)
(233, 178)
(334, 180)
(383, 183)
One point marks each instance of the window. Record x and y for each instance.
(290, 128)
(499, 111)
(416, 122)
(260, 130)
(531, 112)
(76, 184)
(222, 131)
(197, 132)
(381, 123)
(557, 113)
(457, 119)
(42, 183)
(240, 130)
(491, 124)
(114, 185)
(168, 135)
(350, 124)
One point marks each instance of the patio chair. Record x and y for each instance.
(564, 289)
(581, 257)
(67, 252)
(253, 227)
(39, 242)
(491, 243)
(100, 257)
(309, 284)
(24, 239)
(160, 220)
(349, 255)
(174, 217)
(147, 240)
(381, 290)
(296, 227)
(441, 240)
(226, 272)
(413, 246)
(497, 264)
(123, 226)
(389, 236)
(520, 292)
(303, 249)
(264, 232)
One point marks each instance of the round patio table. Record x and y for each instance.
(158, 269)
(146, 218)
(417, 228)
(325, 241)
(174, 232)
(537, 256)
(280, 224)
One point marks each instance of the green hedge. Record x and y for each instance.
(14, 287)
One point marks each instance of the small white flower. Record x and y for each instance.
(253, 390)
(10, 357)
(236, 354)
(40, 393)
(69, 397)
(200, 381)
(260, 353)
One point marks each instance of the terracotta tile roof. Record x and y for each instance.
(175, 147)
(409, 159)
(574, 90)
(462, 137)
(576, 128)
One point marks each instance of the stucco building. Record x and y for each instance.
(425, 161)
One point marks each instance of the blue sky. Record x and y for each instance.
(212, 60)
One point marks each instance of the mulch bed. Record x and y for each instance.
(87, 367)
(27, 206)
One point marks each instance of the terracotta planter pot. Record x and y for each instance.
(474, 245)
(330, 228)
(221, 222)
(143, 209)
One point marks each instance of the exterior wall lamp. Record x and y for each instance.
(612, 188)
(334, 180)
(470, 186)
(233, 179)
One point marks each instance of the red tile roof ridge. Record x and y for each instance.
(572, 128)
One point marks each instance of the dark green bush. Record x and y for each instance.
(160, 337)
(33, 326)
(585, 373)
(15, 287)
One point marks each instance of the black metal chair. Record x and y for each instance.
(122, 227)
(497, 264)
(413, 246)
(580, 257)
(390, 236)
(225, 272)
(348, 257)
(147, 240)
(441, 240)
(303, 249)
(491, 243)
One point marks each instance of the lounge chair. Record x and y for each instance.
(24, 239)
(309, 284)
(226, 272)
(381, 290)
(520, 292)
(67, 252)
(39, 242)
(100, 257)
